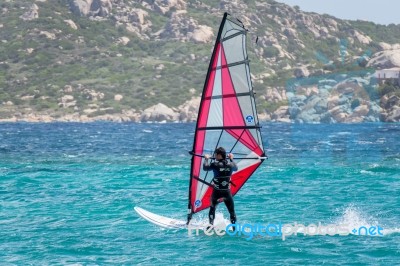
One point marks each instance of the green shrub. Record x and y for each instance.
(387, 88)
(271, 51)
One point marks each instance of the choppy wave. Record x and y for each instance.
(67, 197)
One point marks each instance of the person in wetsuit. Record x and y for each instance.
(221, 182)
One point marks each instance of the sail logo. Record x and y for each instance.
(249, 119)
(197, 203)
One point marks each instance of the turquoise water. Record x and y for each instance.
(68, 191)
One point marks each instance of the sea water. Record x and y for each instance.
(67, 192)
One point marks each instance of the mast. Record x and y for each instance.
(190, 211)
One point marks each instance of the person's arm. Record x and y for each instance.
(232, 163)
(206, 164)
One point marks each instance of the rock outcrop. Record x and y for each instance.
(385, 59)
(165, 6)
(201, 34)
(391, 108)
(182, 27)
(189, 110)
(158, 113)
(343, 101)
(80, 7)
(71, 24)
(136, 21)
(31, 14)
(100, 8)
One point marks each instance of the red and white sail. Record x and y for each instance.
(227, 115)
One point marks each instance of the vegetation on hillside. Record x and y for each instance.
(41, 58)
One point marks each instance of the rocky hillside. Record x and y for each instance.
(120, 60)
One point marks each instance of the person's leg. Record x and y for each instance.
(230, 205)
(214, 202)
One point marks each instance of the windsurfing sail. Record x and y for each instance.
(227, 116)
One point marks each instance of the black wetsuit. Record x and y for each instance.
(221, 182)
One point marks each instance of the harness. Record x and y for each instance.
(222, 175)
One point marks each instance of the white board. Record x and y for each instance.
(166, 222)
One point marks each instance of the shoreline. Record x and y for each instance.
(282, 117)
(120, 121)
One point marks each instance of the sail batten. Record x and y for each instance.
(227, 115)
(246, 61)
(228, 127)
(229, 95)
(234, 35)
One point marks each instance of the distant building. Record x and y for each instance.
(384, 75)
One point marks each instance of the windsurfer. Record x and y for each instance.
(221, 182)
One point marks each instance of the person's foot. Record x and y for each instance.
(233, 219)
(232, 227)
